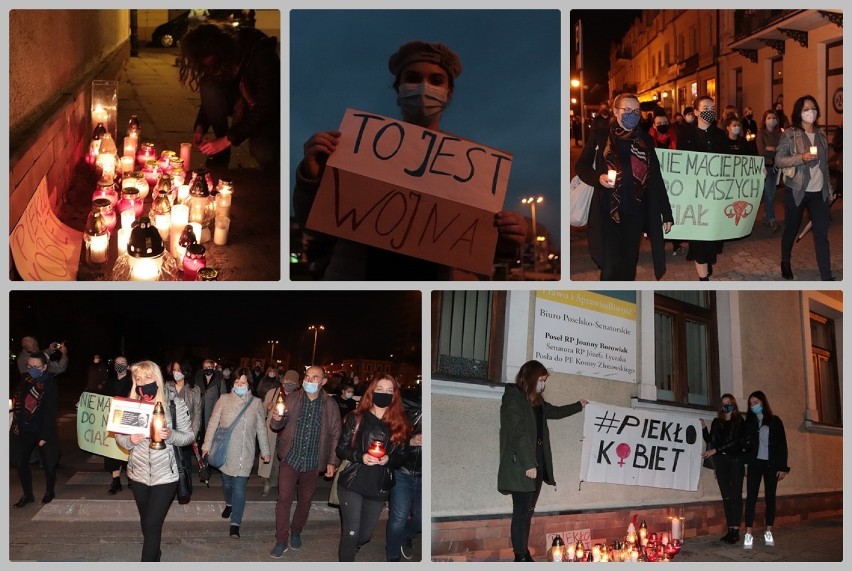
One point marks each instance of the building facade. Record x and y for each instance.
(690, 347)
(739, 57)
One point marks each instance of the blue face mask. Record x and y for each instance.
(240, 391)
(728, 407)
(757, 409)
(34, 372)
(629, 120)
(310, 388)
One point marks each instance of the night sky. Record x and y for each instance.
(165, 325)
(600, 29)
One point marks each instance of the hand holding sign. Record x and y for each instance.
(317, 150)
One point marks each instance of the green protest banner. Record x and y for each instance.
(713, 196)
(92, 435)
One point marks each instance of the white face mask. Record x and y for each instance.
(273, 374)
(736, 130)
(310, 388)
(809, 116)
(421, 103)
(178, 376)
(539, 387)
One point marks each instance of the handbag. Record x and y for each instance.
(184, 489)
(219, 447)
(333, 497)
(581, 199)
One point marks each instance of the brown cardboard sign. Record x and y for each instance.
(410, 190)
(42, 246)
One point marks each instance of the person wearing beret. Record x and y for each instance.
(425, 75)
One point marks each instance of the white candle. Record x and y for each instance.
(127, 218)
(123, 239)
(185, 152)
(127, 165)
(130, 144)
(677, 530)
(145, 270)
(223, 203)
(610, 175)
(162, 222)
(106, 162)
(183, 193)
(98, 248)
(220, 235)
(634, 556)
(813, 149)
(180, 218)
(570, 552)
(100, 115)
(198, 231)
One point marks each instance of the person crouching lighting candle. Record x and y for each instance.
(155, 465)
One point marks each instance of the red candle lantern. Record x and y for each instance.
(147, 152)
(166, 160)
(105, 208)
(194, 259)
(152, 172)
(377, 449)
(130, 200)
(106, 189)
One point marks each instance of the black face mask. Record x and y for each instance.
(382, 400)
(149, 390)
(662, 129)
(208, 372)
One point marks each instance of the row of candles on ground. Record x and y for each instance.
(637, 546)
(184, 215)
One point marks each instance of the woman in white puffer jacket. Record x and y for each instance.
(154, 472)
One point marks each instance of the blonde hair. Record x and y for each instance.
(148, 368)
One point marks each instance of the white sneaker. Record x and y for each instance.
(748, 541)
(768, 539)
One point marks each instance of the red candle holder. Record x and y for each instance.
(194, 260)
(377, 449)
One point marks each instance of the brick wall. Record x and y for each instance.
(56, 142)
(487, 538)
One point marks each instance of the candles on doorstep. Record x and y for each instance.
(147, 152)
(130, 199)
(127, 164)
(180, 218)
(130, 147)
(104, 103)
(123, 238)
(223, 201)
(185, 152)
(178, 177)
(152, 173)
(376, 449)
(96, 237)
(220, 233)
(161, 212)
(145, 251)
(570, 551)
(106, 189)
(198, 232)
(677, 528)
(105, 208)
(182, 193)
(127, 218)
(166, 160)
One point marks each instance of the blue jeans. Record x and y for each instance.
(769, 195)
(235, 496)
(404, 521)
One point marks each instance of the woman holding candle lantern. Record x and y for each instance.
(765, 458)
(374, 441)
(152, 464)
(525, 457)
(247, 411)
(804, 147)
(725, 446)
(630, 197)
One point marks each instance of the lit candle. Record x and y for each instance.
(183, 193)
(106, 162)
(665, 538)
(127, 218)
(377, 449)
(100, 115)
(123, 238)
(223, 202)
(557, 554)
(145, 270)
(279, 405)
(220, 234)
(610, 176)
(634, 555)
(185, 152)
(193, 261)
(126, 166)
(198, 231)
(98, 246)
(813, 149)
(163, 222)
(596, 553)
(677, 530)
(130, 145)
(180, 218)
(570, 552)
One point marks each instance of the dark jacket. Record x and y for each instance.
(259, 77)
(518, 439)
(370, 481)
(591, 165)
(777, 441)
(210, 393)
(726, 436)
(329, 432)
(711, 140)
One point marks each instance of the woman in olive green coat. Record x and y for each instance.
(525, 458)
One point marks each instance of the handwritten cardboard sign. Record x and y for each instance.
(92, 433)
(407, 189)
(42, 246)
(129, 416)
(713, 196)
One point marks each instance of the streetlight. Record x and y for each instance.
(316, 329)
(272, 350)
(532, 201)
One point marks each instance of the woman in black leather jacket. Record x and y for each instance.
(725, 446)
(374, 441)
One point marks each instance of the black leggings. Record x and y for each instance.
(756, 470)
(153, 504)
(28, 441)
(359, 517)
(523, 506)
(729, 476)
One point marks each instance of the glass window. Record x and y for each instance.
(824, 356)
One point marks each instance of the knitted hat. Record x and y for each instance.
(415, 51)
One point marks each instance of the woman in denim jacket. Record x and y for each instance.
(809, 187)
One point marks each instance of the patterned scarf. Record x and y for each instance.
(28, 401)
(640, 159)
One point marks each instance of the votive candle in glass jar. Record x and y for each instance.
(193, 260)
